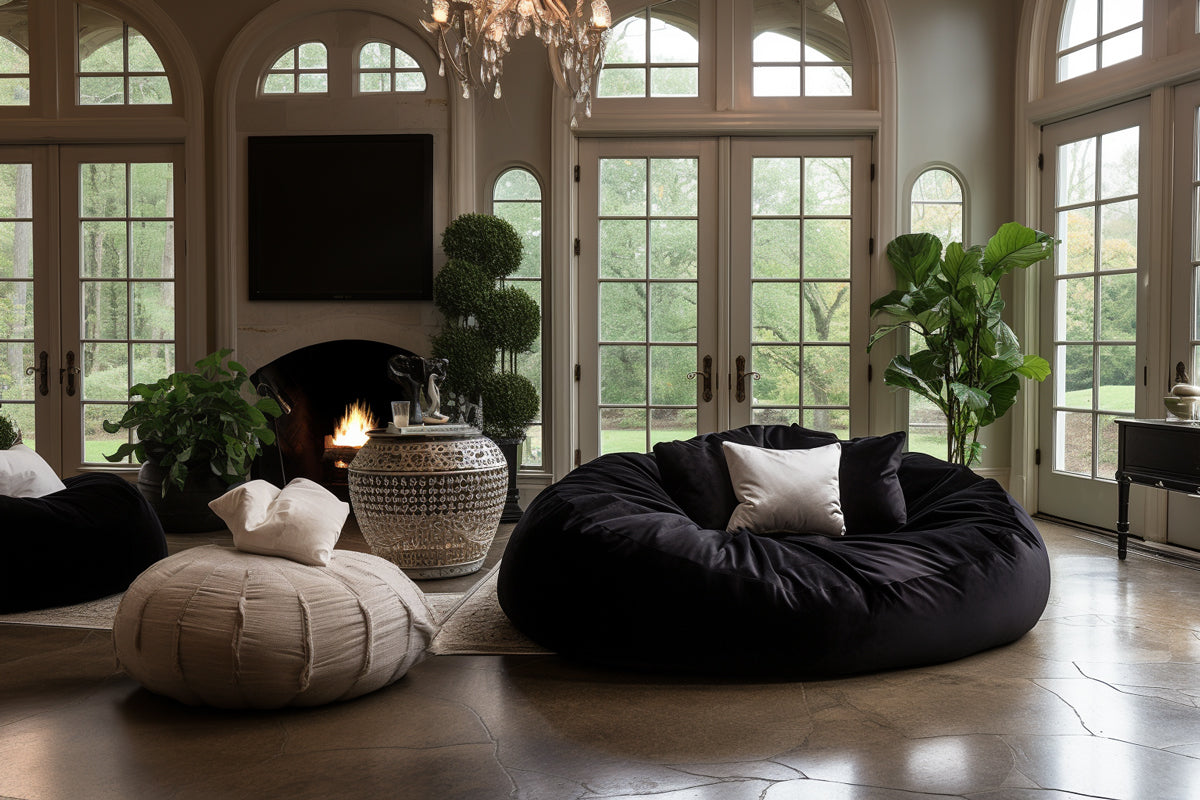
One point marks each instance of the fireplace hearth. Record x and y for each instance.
(315, 385)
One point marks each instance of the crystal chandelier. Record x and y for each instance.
(474, 35)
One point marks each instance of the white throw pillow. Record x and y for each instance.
(302, 521)
(23, 473)
(793, 491)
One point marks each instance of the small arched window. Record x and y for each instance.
(1095, 34)
(517, 197)
(801, 50)
(303, 69)
(383, 67)
(937, 205)
(654, 52)
(14, 55)
(117, 65)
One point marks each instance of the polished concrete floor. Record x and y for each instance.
(1100, 700)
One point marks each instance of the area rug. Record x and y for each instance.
(471, 623)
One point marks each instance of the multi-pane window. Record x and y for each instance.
(117, 65)
(801, 50)
(648, 293)
(1095, 297)
(1194, 251)
(517, 197)
(654, 53)
(800, 289)
(383, 67)
(16, 296)
(126, 289)
(1096, 34)
(14, 55)
(936, 205)
(302, 69)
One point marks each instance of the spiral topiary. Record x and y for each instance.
(510, 403)
(471, 359)
(509, 318)
(10, 434)
(489, 242)
(461, 288)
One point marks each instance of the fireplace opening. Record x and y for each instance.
(315, 385)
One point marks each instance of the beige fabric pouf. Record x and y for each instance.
(216, 626)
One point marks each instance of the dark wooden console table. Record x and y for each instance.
(1161, 453)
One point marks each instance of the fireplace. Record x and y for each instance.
(315, 385)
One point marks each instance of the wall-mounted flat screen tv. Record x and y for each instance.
(340, 217)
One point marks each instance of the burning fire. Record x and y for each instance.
(351, 430)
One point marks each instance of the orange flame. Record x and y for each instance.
(351, 430)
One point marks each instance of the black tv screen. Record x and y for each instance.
(340, 217)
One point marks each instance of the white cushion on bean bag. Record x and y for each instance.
(23, 473)
(786, 491)
(215, 626)
(302, 521)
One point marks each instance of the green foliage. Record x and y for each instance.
(197, 420)
(510, 319)
(490, 242)
(461, 288)
(510, 403)
(10, 434)
(971, 363)
(486, 326)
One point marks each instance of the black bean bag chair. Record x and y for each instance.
(84, 542)
(605, 567)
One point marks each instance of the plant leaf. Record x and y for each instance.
(1034, 367)
(913, 256)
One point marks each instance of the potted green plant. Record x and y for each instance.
(486, 325)
(971, 363)
(197, 435)
(10, 434)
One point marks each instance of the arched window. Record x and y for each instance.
(383, 67)
(14, 56)
(1095, 34)
(653, 53)
(517, 197)
(801, 50)
(302, 69)
(937, 205)
(117, 66)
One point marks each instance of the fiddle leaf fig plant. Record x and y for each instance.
(197, 421)
(967, 361)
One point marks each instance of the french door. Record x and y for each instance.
(723, 281)
(89, 240)
(1094, 193)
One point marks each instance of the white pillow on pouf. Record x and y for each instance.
(23, 473)
(302, 521)
(792, 491)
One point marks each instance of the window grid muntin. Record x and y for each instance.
(1100, 415)
(91, 409)
(296, 72)
(15, 80)
(533, 448)
(128, 77)
(817, 415)
(805, 63)
(647, 65)
(393, 71)
(647, 406)
(1098, 43)
(16, 389)
(1194, 250)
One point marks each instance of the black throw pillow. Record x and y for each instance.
(696, 477)
(869, 484)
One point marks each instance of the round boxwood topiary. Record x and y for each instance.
(510, 403)
(10, 434)
(490, 242)
(471, 359)
(509, 318)
(461, 288)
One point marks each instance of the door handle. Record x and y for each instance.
(742, 374)
(42, 370)
(70, 371)
(706, 375)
